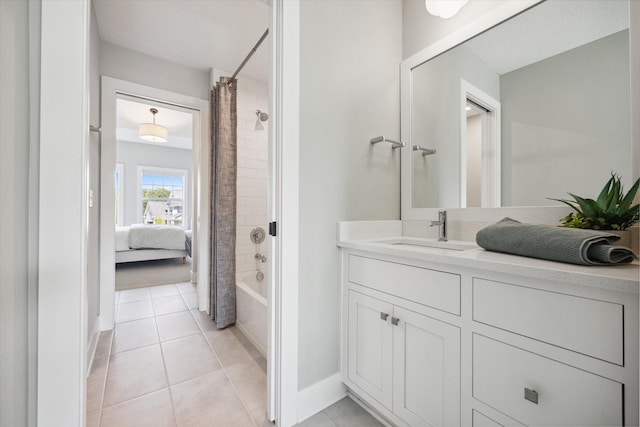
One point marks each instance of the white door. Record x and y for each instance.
(426, 369)
(370, 346)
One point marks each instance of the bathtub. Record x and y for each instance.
(251, 310)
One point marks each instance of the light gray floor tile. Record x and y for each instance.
(135, 334)
(134, 373)
(163, 291)
(166, 305)
(249, 371)
(134, 310)
(207, 399)
(186, 287)
(191, 300)
(254, 396)
(151, 410)
(176, 325)
(204, 320)
(95, 388)
(318, 420)
(187, 358)
(131, 295)
(347, 413)
(93, 419)
(228, 348)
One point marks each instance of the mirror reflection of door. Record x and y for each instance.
(480, 171)
(476, 132)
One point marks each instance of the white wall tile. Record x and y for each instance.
(252, 184)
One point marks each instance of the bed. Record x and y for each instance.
(140, 242)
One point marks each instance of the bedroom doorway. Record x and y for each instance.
(162, 185)
(154, 185)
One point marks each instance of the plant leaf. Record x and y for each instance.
(590, 208)
(631, 194)
(602, 197)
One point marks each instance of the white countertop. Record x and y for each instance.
(367, 236)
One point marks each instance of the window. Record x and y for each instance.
(163, 196)
(119, 194)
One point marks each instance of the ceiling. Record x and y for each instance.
(548, 29)
(200, 34)
(131, 112)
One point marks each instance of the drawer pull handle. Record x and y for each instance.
(531, 395)
(395, 321)
(384, 316)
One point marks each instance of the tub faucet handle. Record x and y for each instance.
(261, 257)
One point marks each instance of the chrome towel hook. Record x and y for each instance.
(395, 144)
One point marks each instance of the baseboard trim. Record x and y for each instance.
(319, 396)
(252, 340)
(92, 346)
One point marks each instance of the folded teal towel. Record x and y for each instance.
(571, 245)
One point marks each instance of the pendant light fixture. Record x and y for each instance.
(151, 131)
(444, 8)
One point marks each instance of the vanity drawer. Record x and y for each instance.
(566, 396)
(432, 288)
(584, 325)
(481, 420)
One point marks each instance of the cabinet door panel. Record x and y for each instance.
(426, 370)
(370, 346)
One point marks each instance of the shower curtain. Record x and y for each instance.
(223, 202)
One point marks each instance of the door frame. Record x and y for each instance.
(491, 173)
(111, 89)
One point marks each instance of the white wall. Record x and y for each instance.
(548, 144)
(19, 125)
(253, 173)
(436, 122)
(350, 53)
(421, 29)
(136, 67)
(132, 155)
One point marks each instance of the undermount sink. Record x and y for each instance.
(425, 243)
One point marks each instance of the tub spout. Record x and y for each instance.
(261, 257)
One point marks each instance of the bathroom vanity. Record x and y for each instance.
(437, 335)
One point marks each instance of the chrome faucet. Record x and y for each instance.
(442, 224)
(261, 257)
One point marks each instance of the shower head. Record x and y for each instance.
(262, 116)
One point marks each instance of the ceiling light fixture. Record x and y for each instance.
(152, 132)
(444, 8)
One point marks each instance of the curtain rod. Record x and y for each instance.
(264, 36)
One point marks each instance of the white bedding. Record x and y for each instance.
(122, 239)
(156, 237)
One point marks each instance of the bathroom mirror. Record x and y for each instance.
(532, 108)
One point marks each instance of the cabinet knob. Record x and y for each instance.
(531, 395)
(384, 316)
(395, 321)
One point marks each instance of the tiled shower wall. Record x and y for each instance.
(253, 176)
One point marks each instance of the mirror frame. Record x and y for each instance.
(536, 214)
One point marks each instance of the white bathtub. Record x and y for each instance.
(251, 306)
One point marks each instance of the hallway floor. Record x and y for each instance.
(167, 365)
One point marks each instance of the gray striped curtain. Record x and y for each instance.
(223, 202)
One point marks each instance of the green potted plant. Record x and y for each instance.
(611, 211)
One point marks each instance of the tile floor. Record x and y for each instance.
(166, 364)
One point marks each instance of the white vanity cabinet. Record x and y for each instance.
(406, 362)
(446, 343)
